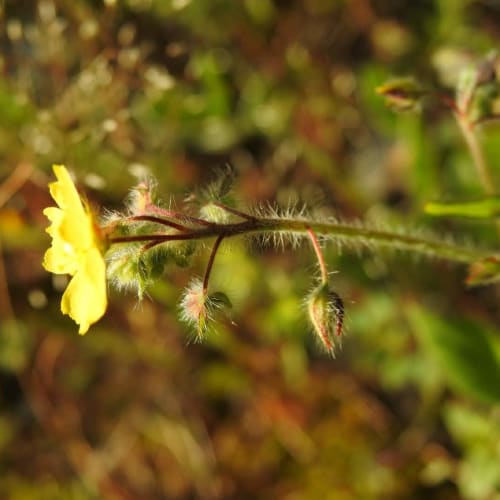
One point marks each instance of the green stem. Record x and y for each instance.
(468, 132)
(342, 232)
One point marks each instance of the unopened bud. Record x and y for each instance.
(141, 197)
(403, 94)
(214, 213)
(131, 267)
(198, 308)
(126, 270)
(326, 312)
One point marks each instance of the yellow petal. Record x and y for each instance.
(59, 260)
(76, 250)
(61, 257)
(75, 226)
(85, 299)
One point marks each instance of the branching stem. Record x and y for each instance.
(343, 232)
(468, 129)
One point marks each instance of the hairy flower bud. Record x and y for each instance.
(198, 308)
(214, 213)
(126, 270)
(141, 197)
(326, 312)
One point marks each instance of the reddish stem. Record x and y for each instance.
(449, 102)
(210, 263)
(159, 238)
(319, 254)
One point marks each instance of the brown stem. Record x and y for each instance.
(150, 245)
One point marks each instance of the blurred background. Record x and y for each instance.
(283, 91)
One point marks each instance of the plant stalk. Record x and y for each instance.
(475, 150)
(342, 232)
(319, 255)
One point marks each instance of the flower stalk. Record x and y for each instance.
(319, 255)
(471, 139)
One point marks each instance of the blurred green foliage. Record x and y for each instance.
(284, 92)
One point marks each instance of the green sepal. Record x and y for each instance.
(125, 269)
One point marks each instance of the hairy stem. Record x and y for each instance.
(342, 232)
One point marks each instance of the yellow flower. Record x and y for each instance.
(76, 249)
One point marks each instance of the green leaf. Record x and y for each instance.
(463, 350)
(480, 209)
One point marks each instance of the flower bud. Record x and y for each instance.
(213, 213)
(198, 308)
(403, 94)
(326, 312)
(141, 197)
(126, 270)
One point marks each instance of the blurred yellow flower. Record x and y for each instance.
(77, 249)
